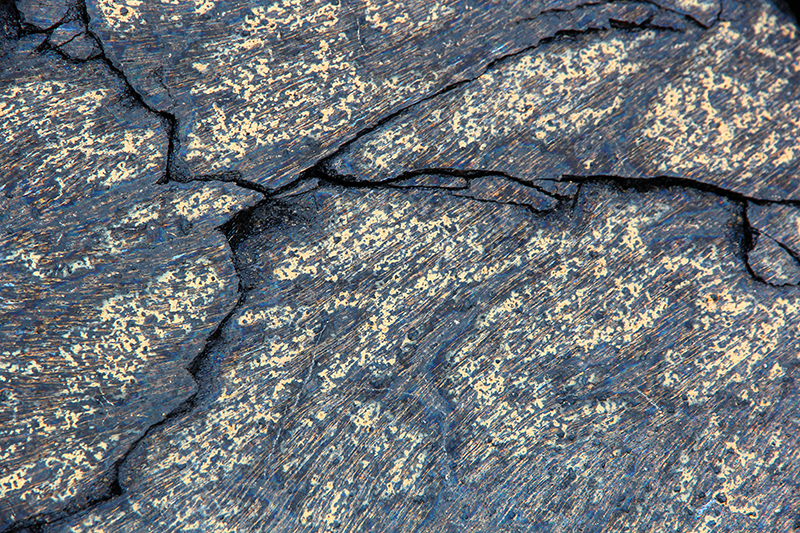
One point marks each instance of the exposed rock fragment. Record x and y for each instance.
(110, 284)
(82, 47)
(718, 106)
(417, 361)
(73, 40)
(66, 32)
(776, 229)
(773, 263)
(267, 89)
(503, 190)
(299, 187)
(42, 14)
(779, 221)
(437, 181)
(703, 11)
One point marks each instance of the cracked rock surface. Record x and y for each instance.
(270, 88)
(380, 266)
(110, 283)
(382, 372)
(718, 106)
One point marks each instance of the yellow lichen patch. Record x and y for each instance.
(268, 108)
(726, 121)
(208, 200)
(414, 321)
(106, 296)
(704, 11)
(95, 371)
(99, 150)
(602, 104)
(122, 14)
(498, 104)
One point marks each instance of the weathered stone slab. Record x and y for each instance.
(467, 333)
(718, 106)
(437, 181)
(505, 191)
(82, 47)
(266, 89)
(705, 12)
(779, 221)
(66, 32)
(773, 262)
(408, 360)
(110, 284)
(42, 14)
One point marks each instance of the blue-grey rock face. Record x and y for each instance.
(380, 266)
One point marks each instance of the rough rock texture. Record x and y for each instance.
(414, 361)
(776, 254)
(270, 88)
(780, 221)
(718, 106)
(73, 40)
(524, 266)
(109, 283)
(42, 14)
(773, 262)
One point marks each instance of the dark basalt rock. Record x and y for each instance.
(379, 266)
(415, 361)
(110, 284)
(82, 47)
(780, 221)
(776, 254)
(693, 105)
(267, 90)
(774, 263)
(42, 14)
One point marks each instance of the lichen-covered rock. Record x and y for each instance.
(266, 89)
(71, 133)
(109, 283)
(451, 322)
(409, 360)
(42, 14)
(718, 106)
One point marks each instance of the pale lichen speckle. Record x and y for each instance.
(99, 314)
(645, 105)
(403, 321)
